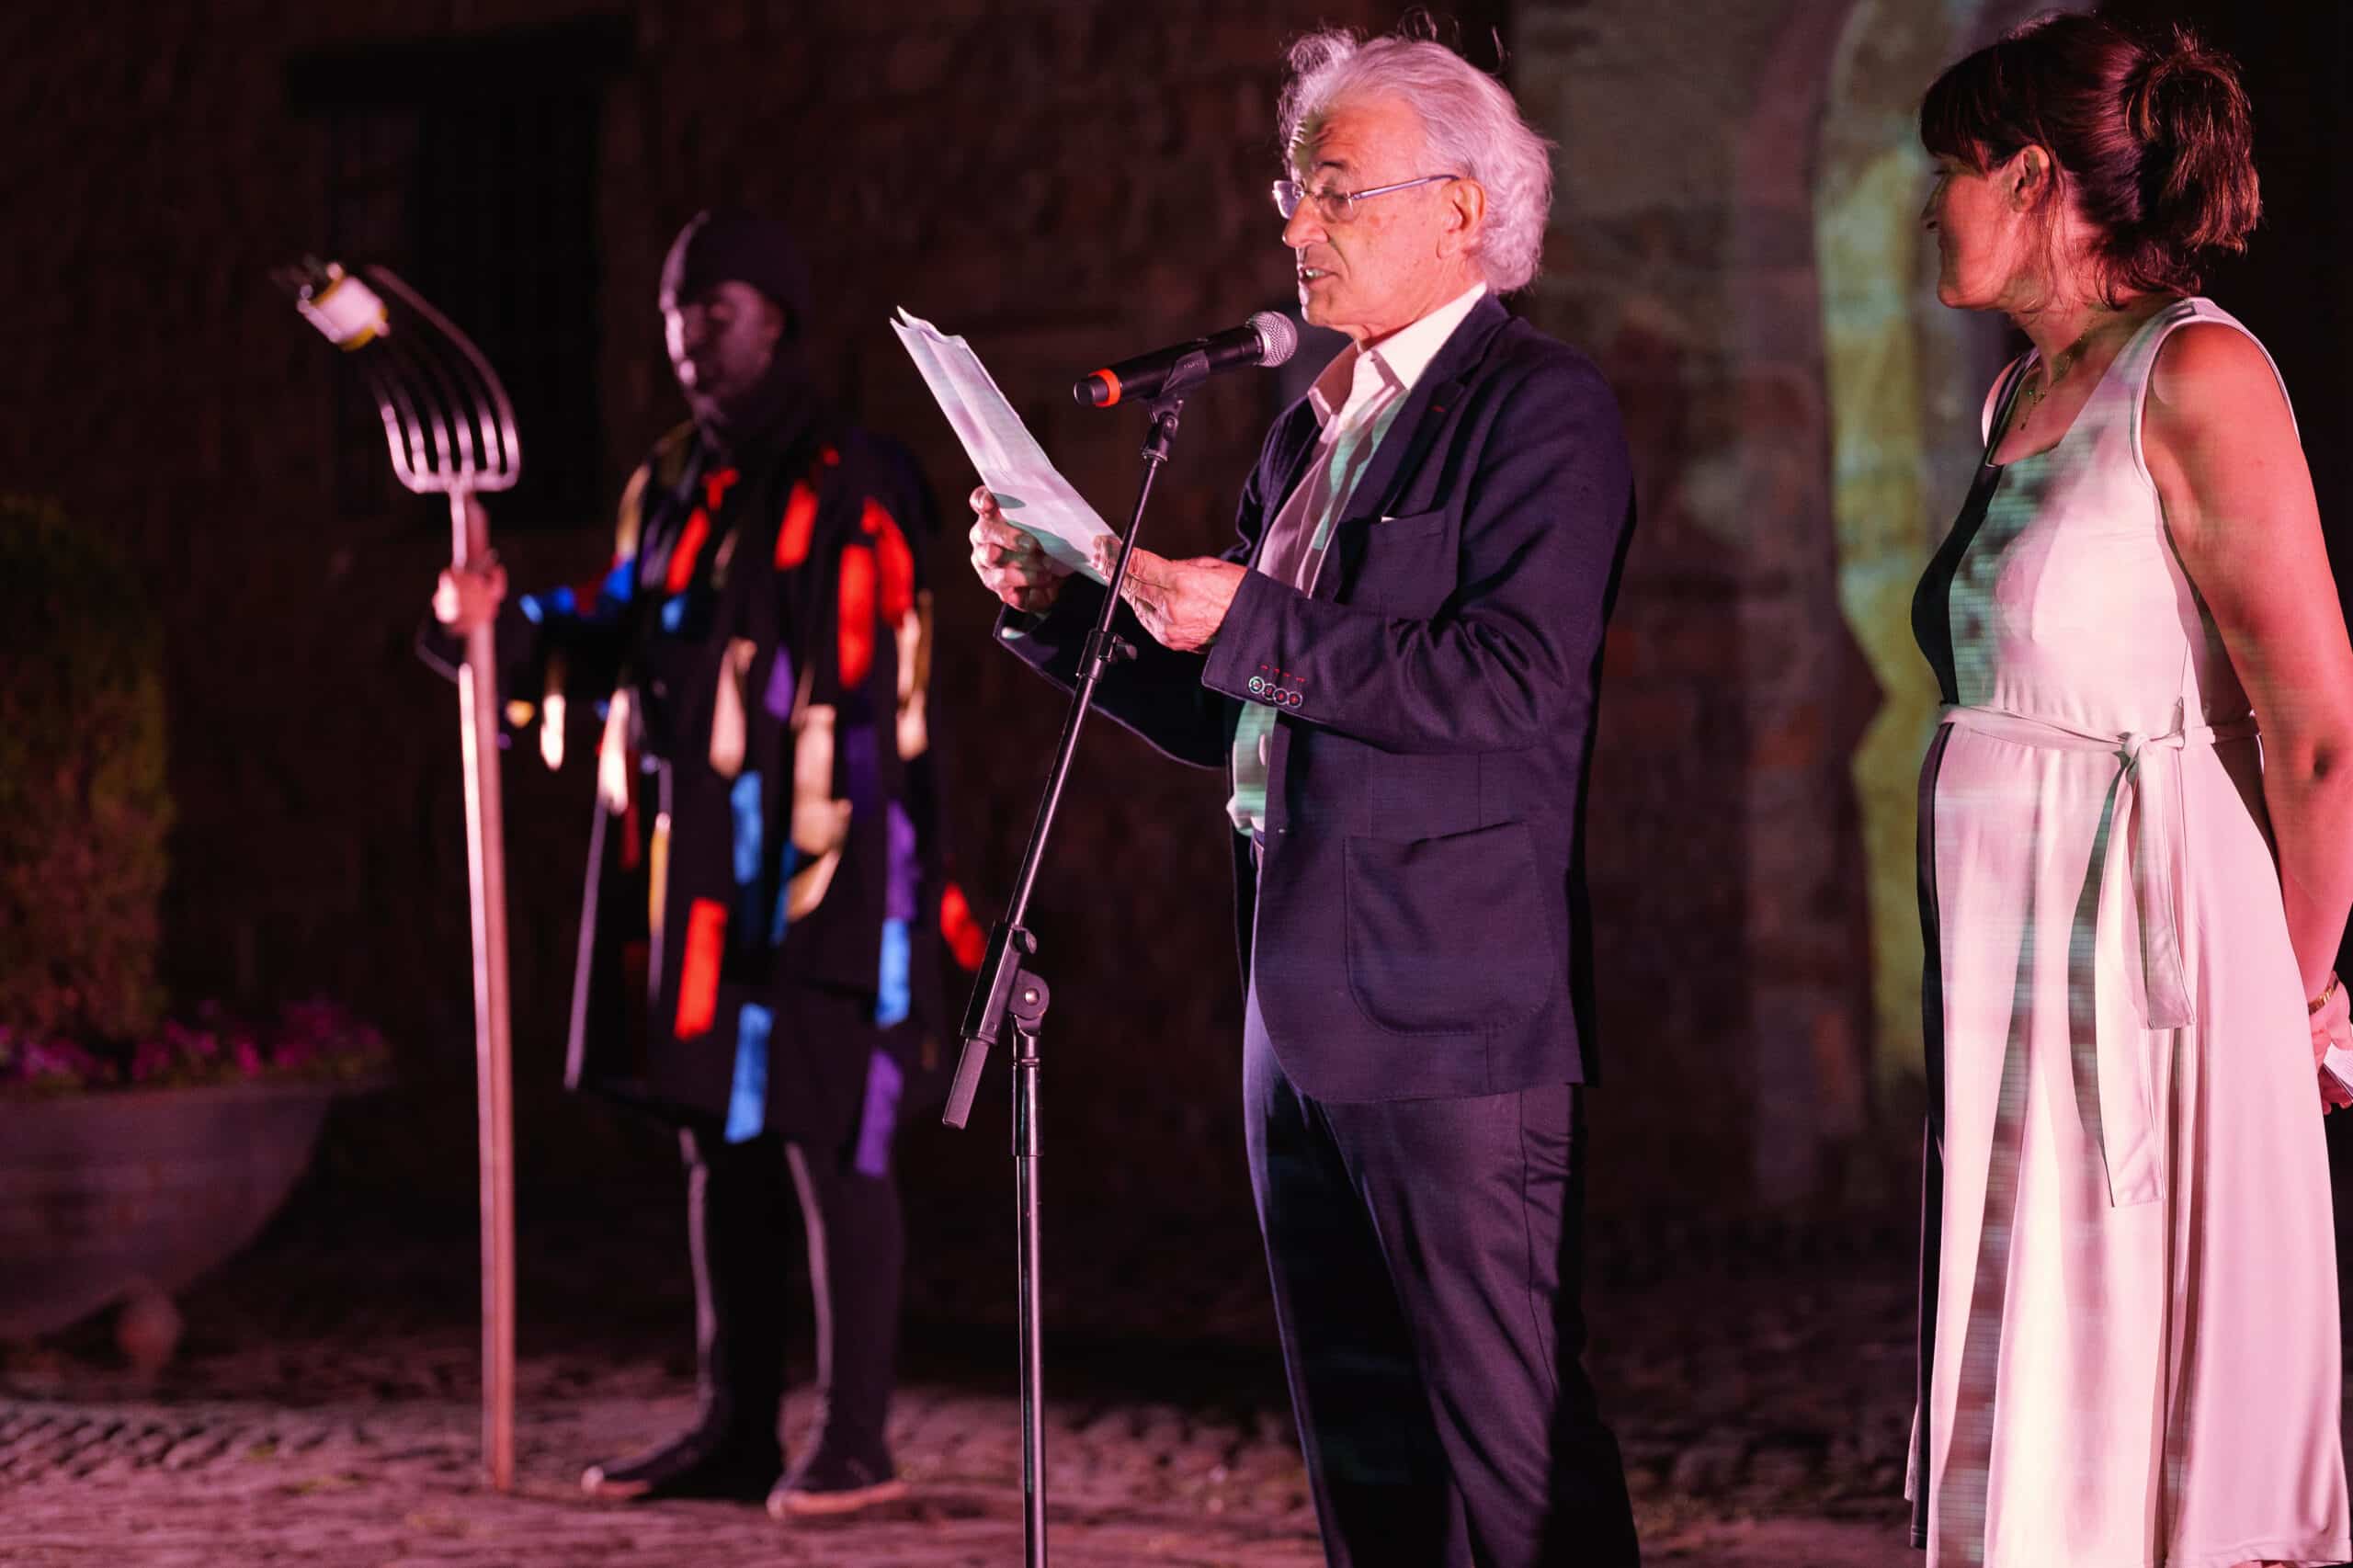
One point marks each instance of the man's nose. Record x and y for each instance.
(1302, 227)
(693, 326)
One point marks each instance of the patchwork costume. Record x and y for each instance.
(765, 917)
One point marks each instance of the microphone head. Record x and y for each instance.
(1277, 336)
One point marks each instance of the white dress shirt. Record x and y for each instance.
(1356, 400)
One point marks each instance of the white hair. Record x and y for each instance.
(1471, 124)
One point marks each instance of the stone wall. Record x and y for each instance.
(1061, 183)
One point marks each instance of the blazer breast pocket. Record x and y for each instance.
(1405, 567)
(1411, 525)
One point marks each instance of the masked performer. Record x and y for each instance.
(761, 937)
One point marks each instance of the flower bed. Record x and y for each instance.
(308, 1042)
(128, 1170)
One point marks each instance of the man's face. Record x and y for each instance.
(722, 341)
(1396, 257)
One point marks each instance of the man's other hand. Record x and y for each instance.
(1181, 603)
(1011, 564)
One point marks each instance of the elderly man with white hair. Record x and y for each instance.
(1398, 665)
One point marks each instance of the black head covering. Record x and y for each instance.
(726, 246)
(720, 246)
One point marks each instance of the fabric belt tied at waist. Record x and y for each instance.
(2140, 845)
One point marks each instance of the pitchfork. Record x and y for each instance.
(451, 431)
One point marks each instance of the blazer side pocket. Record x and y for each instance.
(1448, 936)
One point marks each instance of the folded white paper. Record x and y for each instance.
(1035, 498)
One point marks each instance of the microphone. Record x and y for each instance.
(1267, 339)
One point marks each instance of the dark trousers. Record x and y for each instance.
(738, 1228)
(1425, 1264)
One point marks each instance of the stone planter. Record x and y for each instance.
(132, 1193)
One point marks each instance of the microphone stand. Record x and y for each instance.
(1006, 989)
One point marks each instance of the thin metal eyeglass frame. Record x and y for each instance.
(1301, 193)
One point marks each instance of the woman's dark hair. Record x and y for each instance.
(2152, 130)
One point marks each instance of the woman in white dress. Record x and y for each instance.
(2136, 854)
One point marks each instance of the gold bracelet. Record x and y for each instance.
(2318, 1002)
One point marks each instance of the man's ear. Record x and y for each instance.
(779, 320)
(1465, 210)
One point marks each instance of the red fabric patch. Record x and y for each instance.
(716, 485)
(689, 546)
(965, 938)
(833, 458)
(698, 970)
(799, 521)
(898, 562)
(857, 615)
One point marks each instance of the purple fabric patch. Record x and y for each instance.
(778, 700)
(882, 1117)
(899, 892)
(857, 765)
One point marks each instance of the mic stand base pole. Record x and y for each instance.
(1006, 990)
(1029, 1009)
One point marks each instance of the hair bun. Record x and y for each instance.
(2184, 88)
(2151, 129)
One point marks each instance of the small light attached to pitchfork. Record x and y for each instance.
(350, 314)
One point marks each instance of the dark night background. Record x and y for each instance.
(1062, 184)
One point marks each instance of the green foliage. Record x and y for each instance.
(85, 804)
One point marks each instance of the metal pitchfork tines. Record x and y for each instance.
(451, 431)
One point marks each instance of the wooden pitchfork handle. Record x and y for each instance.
(478, 708)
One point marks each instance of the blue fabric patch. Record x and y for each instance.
(892, 992)
(532, 610)
(882, 1117)
(674, 612)
(744, 800)
(620, 583)
(778, 700)
(563, 601)
(747, 1102)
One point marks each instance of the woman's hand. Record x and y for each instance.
(1010, 563)
(2332, 1025)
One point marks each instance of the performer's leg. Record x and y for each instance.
(1478, 1205)
(849, 1208)
(734, 1219)
(1374, 1462)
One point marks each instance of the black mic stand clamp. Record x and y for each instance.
(1007, 988)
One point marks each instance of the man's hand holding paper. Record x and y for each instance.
(1013, 564)
(1028, 496)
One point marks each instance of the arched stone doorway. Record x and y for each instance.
(1906, 379)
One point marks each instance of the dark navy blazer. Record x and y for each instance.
(1420, 921)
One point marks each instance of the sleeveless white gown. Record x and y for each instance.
(2129, 1285)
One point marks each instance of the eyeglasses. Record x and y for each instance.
(1339, 206)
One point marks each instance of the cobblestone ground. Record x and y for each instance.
(323, 1409)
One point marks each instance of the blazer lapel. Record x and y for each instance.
(1409, 438)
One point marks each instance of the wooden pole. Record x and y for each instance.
(493, 1072)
